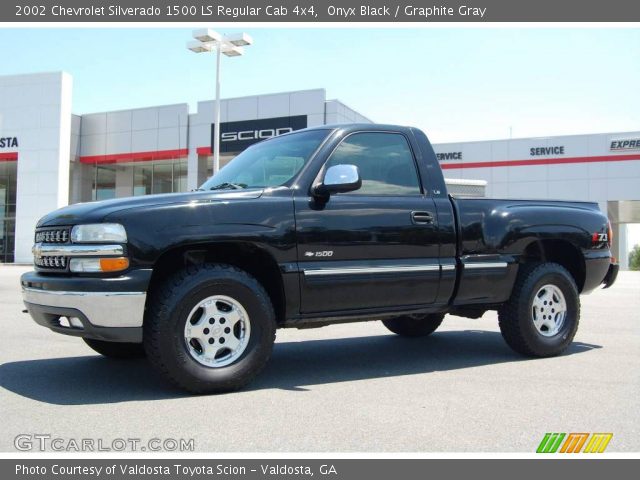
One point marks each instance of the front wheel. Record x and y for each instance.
(209, 329)
(414, 325)
(541, 317)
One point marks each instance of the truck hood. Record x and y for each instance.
(92, 212)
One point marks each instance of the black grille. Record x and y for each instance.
(57, 262)
(52, 235)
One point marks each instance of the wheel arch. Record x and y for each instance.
(244, 255)
(559, 251)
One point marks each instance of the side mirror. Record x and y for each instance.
(339, 179)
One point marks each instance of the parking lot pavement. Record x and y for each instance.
(354, 388)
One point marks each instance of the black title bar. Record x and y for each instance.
(319, 11)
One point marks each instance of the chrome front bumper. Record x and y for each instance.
(102, 309)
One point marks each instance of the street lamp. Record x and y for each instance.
(208, 40)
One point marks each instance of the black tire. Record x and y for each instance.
(116, 349)
(168, 308)
(414, 325)
(516, 318)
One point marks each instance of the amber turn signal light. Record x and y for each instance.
(114, 264)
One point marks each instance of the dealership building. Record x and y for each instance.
(50, 157)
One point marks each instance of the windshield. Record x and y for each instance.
(268, 164)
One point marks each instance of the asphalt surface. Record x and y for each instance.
(344, 388)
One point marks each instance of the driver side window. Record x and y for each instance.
(385, 162)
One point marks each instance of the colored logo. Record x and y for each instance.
(573, 442)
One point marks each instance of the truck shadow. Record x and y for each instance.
(294, 365)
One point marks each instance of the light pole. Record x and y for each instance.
(208, 40)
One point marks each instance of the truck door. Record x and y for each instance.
(376, 247)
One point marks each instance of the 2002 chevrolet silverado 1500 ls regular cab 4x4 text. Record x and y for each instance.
(319, 226)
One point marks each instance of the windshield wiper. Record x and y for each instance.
(228, 186)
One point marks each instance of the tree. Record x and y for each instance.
(634, 258)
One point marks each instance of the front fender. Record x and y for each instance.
(267, 222)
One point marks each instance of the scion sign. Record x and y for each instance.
(236, 136)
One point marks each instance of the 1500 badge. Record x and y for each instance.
(323, 253)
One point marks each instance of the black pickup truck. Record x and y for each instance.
(324, 225)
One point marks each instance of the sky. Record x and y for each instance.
(455, 83)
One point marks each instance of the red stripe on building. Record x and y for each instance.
(135, 156)
(9, 157)
(168, 154)
(541, 161)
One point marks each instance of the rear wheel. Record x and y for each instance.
(541, 317)
(209, 329)
(414, 325)
(116, 349)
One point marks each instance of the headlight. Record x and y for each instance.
(99, 233)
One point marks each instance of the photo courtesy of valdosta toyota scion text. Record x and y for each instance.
(277, 244)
